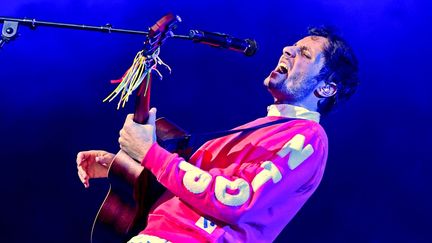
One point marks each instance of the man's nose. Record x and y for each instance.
(290, 51)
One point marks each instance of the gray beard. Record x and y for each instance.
(295, 93)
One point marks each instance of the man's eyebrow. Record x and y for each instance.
(303, 47)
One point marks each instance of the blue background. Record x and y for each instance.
(377, 186)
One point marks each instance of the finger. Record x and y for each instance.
(86, 183)
(80, 158)
(82, 173)
(102, 161)
(82, 180)
(120, 141)
(152, 116)
(108, 156)
(82, 164)
(129, 118)
(83, 176)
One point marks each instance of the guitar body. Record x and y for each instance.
(133, 190)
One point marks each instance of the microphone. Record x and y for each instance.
(248, 46)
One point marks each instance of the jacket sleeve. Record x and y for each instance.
(228, 194)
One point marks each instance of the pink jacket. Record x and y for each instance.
(239, 188)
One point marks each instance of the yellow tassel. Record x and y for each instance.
(134, 76)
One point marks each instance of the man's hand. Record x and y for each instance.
(136, 139)
(93, 164)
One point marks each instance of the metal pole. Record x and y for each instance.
(32, 23)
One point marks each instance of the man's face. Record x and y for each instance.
(294, 77)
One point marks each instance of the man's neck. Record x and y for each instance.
(310, 102)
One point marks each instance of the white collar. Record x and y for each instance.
(292, 111)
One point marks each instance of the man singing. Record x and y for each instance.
(245, 187)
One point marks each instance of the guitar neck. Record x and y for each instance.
(142, 103)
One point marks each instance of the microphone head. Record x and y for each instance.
(252, 48)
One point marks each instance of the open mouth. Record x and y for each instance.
(282, 68)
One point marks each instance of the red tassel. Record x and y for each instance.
(117, 81)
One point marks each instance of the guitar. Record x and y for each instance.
(133, 189)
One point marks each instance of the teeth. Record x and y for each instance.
(282, 68)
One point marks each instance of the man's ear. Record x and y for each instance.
(326, 90)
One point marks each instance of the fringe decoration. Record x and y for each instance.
(134, 76)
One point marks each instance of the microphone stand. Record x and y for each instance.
(10, 28)
(9, 31)
(247, 46)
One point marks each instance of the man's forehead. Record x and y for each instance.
(312, 41)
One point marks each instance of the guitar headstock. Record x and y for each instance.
(159, 32)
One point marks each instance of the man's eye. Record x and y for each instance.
(306, 54)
